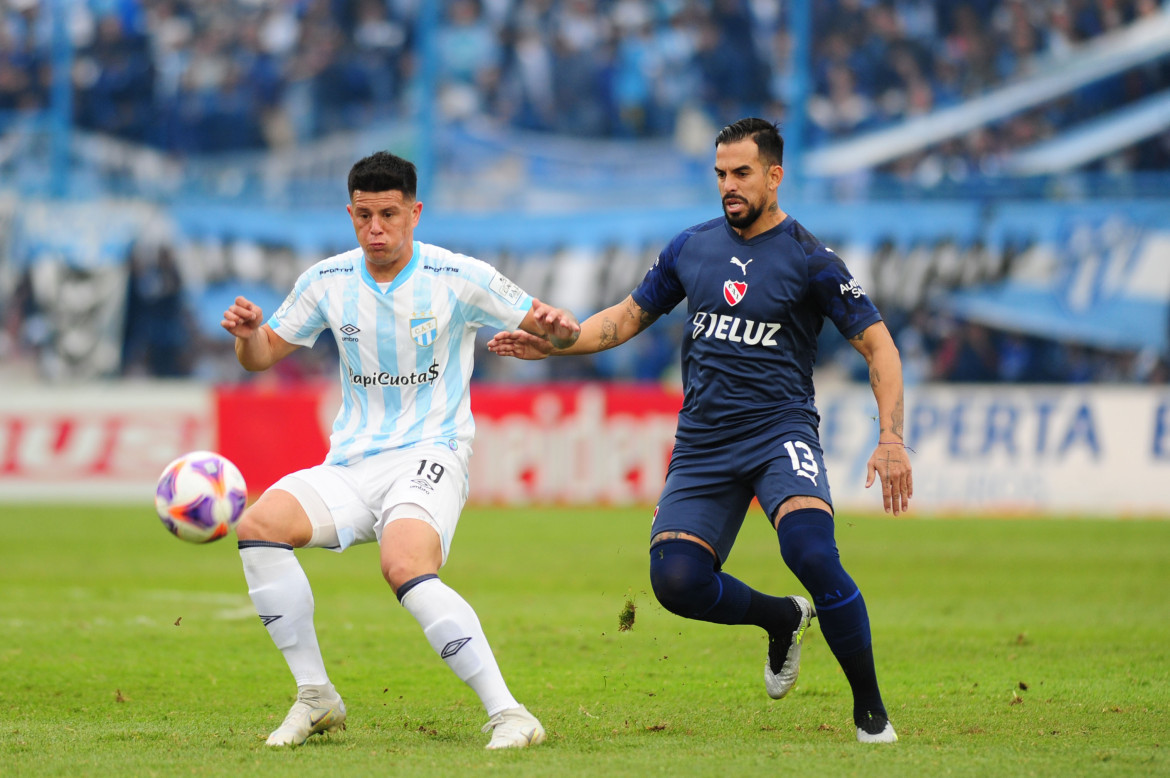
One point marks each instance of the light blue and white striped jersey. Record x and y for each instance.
(407, 352)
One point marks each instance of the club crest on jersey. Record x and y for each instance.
(733, 291)
(423, 329)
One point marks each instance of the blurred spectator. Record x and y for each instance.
(966, 355)
(158, 332)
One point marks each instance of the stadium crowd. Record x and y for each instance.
(197, 77)
(145, 321)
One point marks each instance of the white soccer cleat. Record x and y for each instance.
(514, 728)
(780, 682)
(317, 709)
(875, 728)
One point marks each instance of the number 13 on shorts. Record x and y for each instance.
(804, 464)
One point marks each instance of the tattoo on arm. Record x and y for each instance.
(608, 334)
(858, 337)
(896, 420)
(636, 312)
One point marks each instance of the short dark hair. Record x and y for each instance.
(384, 172)
(763, 132)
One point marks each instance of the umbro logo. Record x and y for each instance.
(268, 619)
(452, 648)
(350, 329)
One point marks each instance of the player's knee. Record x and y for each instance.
(398, 570)
(807, 543)
(805, 559)
(273, 520)
(680, 574)
(410, 548)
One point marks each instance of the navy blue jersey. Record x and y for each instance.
(754, 309)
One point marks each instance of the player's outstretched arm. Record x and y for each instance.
(890, 462)
(257, 346)
(603, 330)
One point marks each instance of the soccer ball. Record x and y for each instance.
(200, 496)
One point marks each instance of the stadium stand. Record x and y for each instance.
(589, 122)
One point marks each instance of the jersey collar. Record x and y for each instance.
(399, 279)
(779, 228)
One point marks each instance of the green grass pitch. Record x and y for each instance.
(1005, 647)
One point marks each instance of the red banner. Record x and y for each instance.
(559, 443)
(591, 443)
(270, 431)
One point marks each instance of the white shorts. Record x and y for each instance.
(351, 504)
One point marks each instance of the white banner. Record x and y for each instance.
(110, 441)
(1077, 450)
(977, 450)
(986, 450)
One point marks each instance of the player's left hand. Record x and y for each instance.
(890, 464)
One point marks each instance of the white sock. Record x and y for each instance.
(280, 591)
(453, 630)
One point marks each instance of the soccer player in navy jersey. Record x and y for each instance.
(758, 287)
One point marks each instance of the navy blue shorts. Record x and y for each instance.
(709, 489)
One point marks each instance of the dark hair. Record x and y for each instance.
(383, 172)
(763, 132)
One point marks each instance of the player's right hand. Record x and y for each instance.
(519, 344)
(559, 326)
(243, 319)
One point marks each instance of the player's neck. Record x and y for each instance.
(385, 272)
(767, 220)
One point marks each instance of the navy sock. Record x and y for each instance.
(808, 548)
(862, 676)
(686, 582)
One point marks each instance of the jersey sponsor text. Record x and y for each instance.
(389, 379)
(852, 288)
(734, 329)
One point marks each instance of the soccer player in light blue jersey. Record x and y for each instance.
(758, 288)
(404, 315)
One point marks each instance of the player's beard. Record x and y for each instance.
(745, 218)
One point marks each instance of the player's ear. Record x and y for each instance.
(416, 212)
(775, 176)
